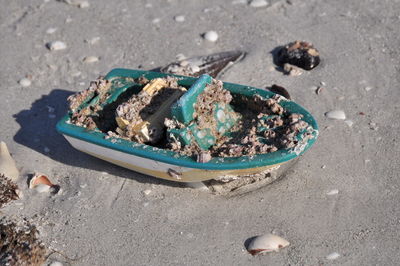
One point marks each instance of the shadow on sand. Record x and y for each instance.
(38, 132)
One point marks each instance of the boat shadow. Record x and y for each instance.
(38, 132)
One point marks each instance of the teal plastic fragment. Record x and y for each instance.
(183, 109)
(223, 114)
(203, 137)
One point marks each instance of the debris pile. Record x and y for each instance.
(19, 244)
(8, 190)
(221, 124)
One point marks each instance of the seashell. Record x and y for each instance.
(25, 82)
(336, 114)
(349, 123)
(211, 64)
(7, 163)
(332, 192)
(266, 243)
(90, 59)
(333, 256)
(258, 3)
(56, 45)
(42, 183)
(211, 36)
(179, 18)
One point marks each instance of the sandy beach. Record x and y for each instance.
(342, 196)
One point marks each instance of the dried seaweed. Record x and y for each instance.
(8, 190)
(19, 244)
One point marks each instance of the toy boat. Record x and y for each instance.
(170, 165)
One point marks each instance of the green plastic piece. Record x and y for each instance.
(203, 137)
(183, 109)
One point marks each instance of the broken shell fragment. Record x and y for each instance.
(56, 45)
(90, 59)
(266, 243)
(299, 53)
(7, 163)
(336, 114)
(211, 64)
(42, 183)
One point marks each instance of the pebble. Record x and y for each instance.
(258, 3)
(90, 59)
(56, 45)
(211, 36)
(179, 18)
(349, 123)
(333, 256)
(51, 30)
(336, 114)
(332, 192)
(25, 82)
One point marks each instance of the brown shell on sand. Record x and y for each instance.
(40, 180)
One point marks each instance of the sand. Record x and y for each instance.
(103, 217)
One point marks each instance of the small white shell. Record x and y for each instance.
(266, 243)
(333, 256)
(25, 82)
(332, 192)
(258, 3)
(90, 59)
(336, 114)
(56, 263)
(179, 18)
(349, 122)
(56, 45)
(7, 163)
(211, 36)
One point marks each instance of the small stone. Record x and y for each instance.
(323, 167)
(179, 18)
(349, 123)
(25, 82)
(56, 45)
(333, 256)
(211, 36)
(258, 3)
(51, 30)
(336, 114)
(90, 59)
(332, 192)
